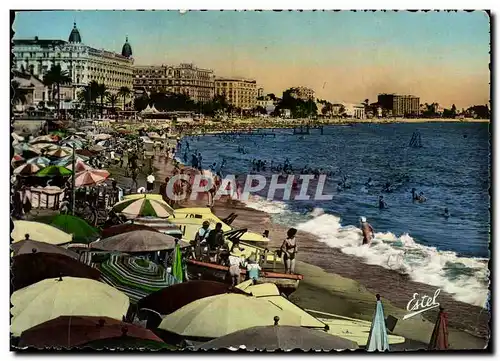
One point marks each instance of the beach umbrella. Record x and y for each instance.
(40, 232)
(74, 331)
(172, 298)
(39, 161)
(90, 177)
(439, 337)
(17, 137)
(306, 320)
(217, 316)
(135, 276)
(143, 207)
(102, 136)
(63, 162)
(73, 143)
(262, 290)
(97, 148)
(80, 166)
(28, 269)
(137, 241)
(177, 269)
(124, 228)
(284, 338)
(60, 153)
(16, 161)
(377, 339)
(54, 171)
(82, 232)
(29, 246)
(66, 296)
(45, 147)
(27, 169)
(44, 139)
(162, 225)
(85, 152)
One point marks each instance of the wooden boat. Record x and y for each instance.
(286, 283)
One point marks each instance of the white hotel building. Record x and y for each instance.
(82, 62)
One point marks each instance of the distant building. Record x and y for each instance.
(239, 92)
(267, 103)
(302, 93)
(83, 63)
(350, 110)
(33, 89)
(186, 79)
(260, 92)
(400, 105)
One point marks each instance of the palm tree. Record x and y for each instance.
(17, 94)
(56, 76)
(112, 99)
(124, 92)
(102, 92)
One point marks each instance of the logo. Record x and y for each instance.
(419, 304)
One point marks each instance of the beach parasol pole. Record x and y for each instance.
(73, 190)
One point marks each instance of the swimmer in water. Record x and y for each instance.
(368, 232)
(421, 197)
(381, 203)
(369, 183)
(446, 213)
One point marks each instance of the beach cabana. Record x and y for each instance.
(78, 331)
(65, 296)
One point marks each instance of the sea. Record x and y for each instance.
(451, 168)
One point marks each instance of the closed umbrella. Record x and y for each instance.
(27, 169)
(82, 231)
(54, 171)
(29, 246)
(136, 277)
(39, 161)
(377, 339)
(219, 315)
(28, 269)
(172, 298)
(66, 296)
(143, 207)
(80, 166)
(124, 228)
(91, 177)
(177, 269)
(40, 232)
(73, 331)
(137, 241)
(439, 337)
(284, 338)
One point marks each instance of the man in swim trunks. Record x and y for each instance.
(368, 232)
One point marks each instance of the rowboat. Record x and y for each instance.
(286, 283)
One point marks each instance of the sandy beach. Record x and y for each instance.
(341, 284)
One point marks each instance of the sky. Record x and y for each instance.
(346, 56)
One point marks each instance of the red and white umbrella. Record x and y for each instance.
(80, 166)
(91, 177)
(17, 160)
(27, 169)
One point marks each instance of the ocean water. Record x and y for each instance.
(452, 168)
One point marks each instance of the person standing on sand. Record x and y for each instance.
(289, 249)
(367, 229)
(150, 182)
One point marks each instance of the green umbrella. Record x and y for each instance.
(136, 277)
(177, 271)
(54, 171)
(82, 232)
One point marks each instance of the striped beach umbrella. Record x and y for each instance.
(76, 143)
(136, 277)
(26, 169)
(143, 207)
(91, 177)
(40, 161)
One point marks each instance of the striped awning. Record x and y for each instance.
(135, 276)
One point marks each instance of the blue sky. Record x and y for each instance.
(346, 56)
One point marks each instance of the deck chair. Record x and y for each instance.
(153, 318)
(229, 219)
